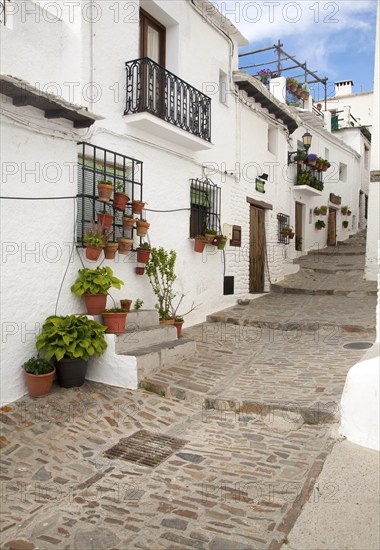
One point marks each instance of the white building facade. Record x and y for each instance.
(155, 87)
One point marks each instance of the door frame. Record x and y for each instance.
(260, 205)
(329, 221)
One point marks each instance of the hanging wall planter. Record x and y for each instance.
(199, 244)
(105, 219)
(120, 201)
(110, 250)
(137, 206)
(142, 227)
(93, 252)
(128, 223)
(143, 253)
(105, 188)
(140, 270)
(125, 245)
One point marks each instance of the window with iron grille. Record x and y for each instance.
(205, 202)
(95, 164)
(283, 221)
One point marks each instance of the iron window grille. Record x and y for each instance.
(95, 164)
(205, 203)
(282, 221)
(152, 88)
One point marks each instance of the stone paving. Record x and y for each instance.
(256, 408)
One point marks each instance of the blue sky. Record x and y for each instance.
(337, 39)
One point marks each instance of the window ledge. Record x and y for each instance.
(307, 190)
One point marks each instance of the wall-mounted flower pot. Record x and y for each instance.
(95, 303)
(143, 255)
(221, 243)
(93, 252)
(210, 237)
(39, 385)
(126, 304)
(105, 219)
(125, 245)
(110, 250)
(128, 223)
(199, 245)
(105, 192)
(120, 201)
(71, 373)
(140, 270)
(115, 322)
(142, 228)
(137, 207)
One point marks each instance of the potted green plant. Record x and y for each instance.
(344, 210)
(298, 245)
(160, 270)
(287, 231)
(143, 253)
(114, 319)
(305, 93)
(345, 224)
(95, 239)
(94, 285)
(320, 163)
(71, 340)
(105, 188)
(291, 84)
(39, 376)
(128, 222)
(317, 211)
(323, 209)
(210, 235)
(137, 206)
(138, 304)
(220, 241)
(200, 243)
(301, 157)
(264, 75)
(320, 224)
(142, 227)
(326, 166)
(126, 304)
(120, 198)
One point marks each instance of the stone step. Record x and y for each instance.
(142, 318)
(284, 289)
(142, 338)
(155, 357)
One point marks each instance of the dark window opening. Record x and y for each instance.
(283, 221)
(205, 201)
(95, 164)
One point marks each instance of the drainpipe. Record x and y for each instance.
(92, 69)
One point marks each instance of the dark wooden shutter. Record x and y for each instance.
(236, 236)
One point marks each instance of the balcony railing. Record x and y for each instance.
(153, 89)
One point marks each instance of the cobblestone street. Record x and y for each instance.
(256, 411)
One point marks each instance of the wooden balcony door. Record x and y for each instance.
(257, 250)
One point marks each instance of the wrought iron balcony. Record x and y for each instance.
(153, 89)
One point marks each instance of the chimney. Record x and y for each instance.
(343, 87)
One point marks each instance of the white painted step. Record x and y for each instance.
(154, 358)
(143, 318)
(143, 338)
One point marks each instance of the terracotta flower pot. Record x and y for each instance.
(125, 245)
(120, 201)
(142, 228)
(105, 219)
(140, 270)
(166, 321)
(105, 192)
(126, 304)
(93, 252)
(178, 326)
(39, 385)
(128, 223)
(209, 237)
(110, 250)
(199, 245)
(221, 243)
(137, 207)
(115, 322)
(95, 303)
(143, 255)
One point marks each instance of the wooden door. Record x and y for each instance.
(298, 227)
(331, 235)
(257, 250)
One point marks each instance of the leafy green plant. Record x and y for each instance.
(38, 365)
(138, 304)
(319, 224)
(301, 155)
(119, 187)
(114, 310)
(323, 209)
(345, 224)
(344, 210)
(97, 235)
(317, 211)
(298, 243)
(95, 281)
(71, 337)
(105, 182)
(210, 232)
(160, 270)
(144, 246)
